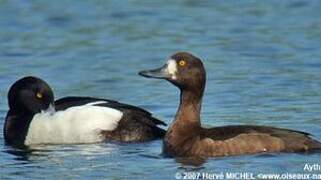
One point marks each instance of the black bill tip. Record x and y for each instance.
(145, 74)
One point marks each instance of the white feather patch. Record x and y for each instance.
(79, 124)
(172, 68)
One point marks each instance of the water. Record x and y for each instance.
(262, 58)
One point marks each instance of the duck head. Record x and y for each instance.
(183, 69)
(30, 95)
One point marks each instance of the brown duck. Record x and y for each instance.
(186, 137)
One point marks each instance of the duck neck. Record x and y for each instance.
(186, 124)
(16, 127)
(190, 108)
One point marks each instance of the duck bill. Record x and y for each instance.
(159, 73)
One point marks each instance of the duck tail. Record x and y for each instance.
(159, 133)
(314, 145)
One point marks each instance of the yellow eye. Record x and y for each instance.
(39, 95)
(182, 63)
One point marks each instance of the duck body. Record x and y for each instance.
(35, 118)
(186, 137)
(236, 140)
(135, 124)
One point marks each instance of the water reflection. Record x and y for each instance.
(43, 152)
(194, 162)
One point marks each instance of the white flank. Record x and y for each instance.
(172, 68)
(79, 124)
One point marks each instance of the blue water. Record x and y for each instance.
(263, 63)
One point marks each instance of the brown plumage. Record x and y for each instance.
(186, 137)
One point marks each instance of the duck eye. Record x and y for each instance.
(39, 95)
(182, 63)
